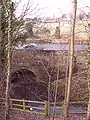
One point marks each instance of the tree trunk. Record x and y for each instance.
(49, 86)
(2, 65)
(59, 30)
(66, 107)
(88, 111)
(56, 90)
(0, 36)
(66, 82)
(7, 101)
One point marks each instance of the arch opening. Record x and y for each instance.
(23, 84)
(21, 75)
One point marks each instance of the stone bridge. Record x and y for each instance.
(44, 63)
(31, 71)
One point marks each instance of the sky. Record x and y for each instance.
(50, 8)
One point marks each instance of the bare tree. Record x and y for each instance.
(0, 35)
(88, 111)
(66, 107)
(7, 101)
(56, 90)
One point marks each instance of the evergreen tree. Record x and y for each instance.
(15, 29)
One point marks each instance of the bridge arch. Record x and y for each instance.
(23, 84)
(22, 74)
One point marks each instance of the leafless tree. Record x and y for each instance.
(88, 67)
(7, 98)
(66, 107)
(8, 8)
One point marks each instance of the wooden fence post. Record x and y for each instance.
(10, 103)
(23, 104)
(47, 108)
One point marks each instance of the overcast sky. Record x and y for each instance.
(51, 8)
